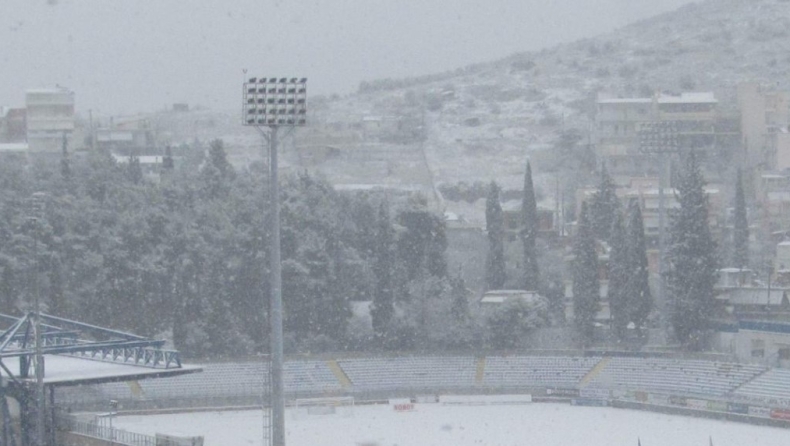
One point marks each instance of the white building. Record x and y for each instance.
(50, 117)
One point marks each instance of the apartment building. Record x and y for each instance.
(50, 118)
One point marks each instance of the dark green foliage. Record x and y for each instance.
(7, 291)
(740, 234)
(529, 233)
(65, 163)
(495, 227)
(640, 301)
(167, 160)
(133, 169)
(604, 206)
(422, 244)
(692, 262)
(510, 322)
(619, 270)
(218, 158)
(586, 288)
(161, 258)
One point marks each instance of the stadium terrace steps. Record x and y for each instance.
(771, 384)
(480, 370)
(671, 375)
(595, 371)
(339, 373)
(244, 380)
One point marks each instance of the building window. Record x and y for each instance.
(783, 352)
(758, 348)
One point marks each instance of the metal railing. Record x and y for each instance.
(96, 430)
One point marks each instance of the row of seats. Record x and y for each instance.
(537, 371)
(312, 377)
(773, 384)
(217, 380)
(410, 372)
(691, 377)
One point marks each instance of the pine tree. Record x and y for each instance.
(134, 171)
(640, 301)
(219, 159)
(8, 290)
(529, 232)
(167, 160)
(619, 270)
(383, 306)
(741, 227)
(603, 206)
(586, 289)
(691, 257)
(65, 163)
(495, 227)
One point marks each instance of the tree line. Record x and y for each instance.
(184, 255)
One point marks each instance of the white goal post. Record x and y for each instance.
(343, 405)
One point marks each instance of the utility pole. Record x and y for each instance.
(661, 138)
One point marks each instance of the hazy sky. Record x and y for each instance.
(139, 55)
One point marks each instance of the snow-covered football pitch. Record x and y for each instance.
(541, 424)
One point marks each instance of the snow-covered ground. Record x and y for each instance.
(535, 424)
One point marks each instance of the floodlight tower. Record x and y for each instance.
(661, 138)
(270, 103)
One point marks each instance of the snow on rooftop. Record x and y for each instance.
(69, 370)
(13, 147)
(684, 98)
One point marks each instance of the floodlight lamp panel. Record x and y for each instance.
(293, 80)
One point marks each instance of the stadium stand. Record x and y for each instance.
(410, 372)
(537, 371)
(670, 375)
(218, 380)
(773, 384)
(241, 382)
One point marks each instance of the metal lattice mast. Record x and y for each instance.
(274, 103)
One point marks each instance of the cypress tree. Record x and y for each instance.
(167, 160)
(134, 171)
(692, 262)
(495, 227)
(586, 289)
(383, 307)
(640, 301)
(529, 232)
(65, 163)
(741, 227)
(618, 279)
(603, 206)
